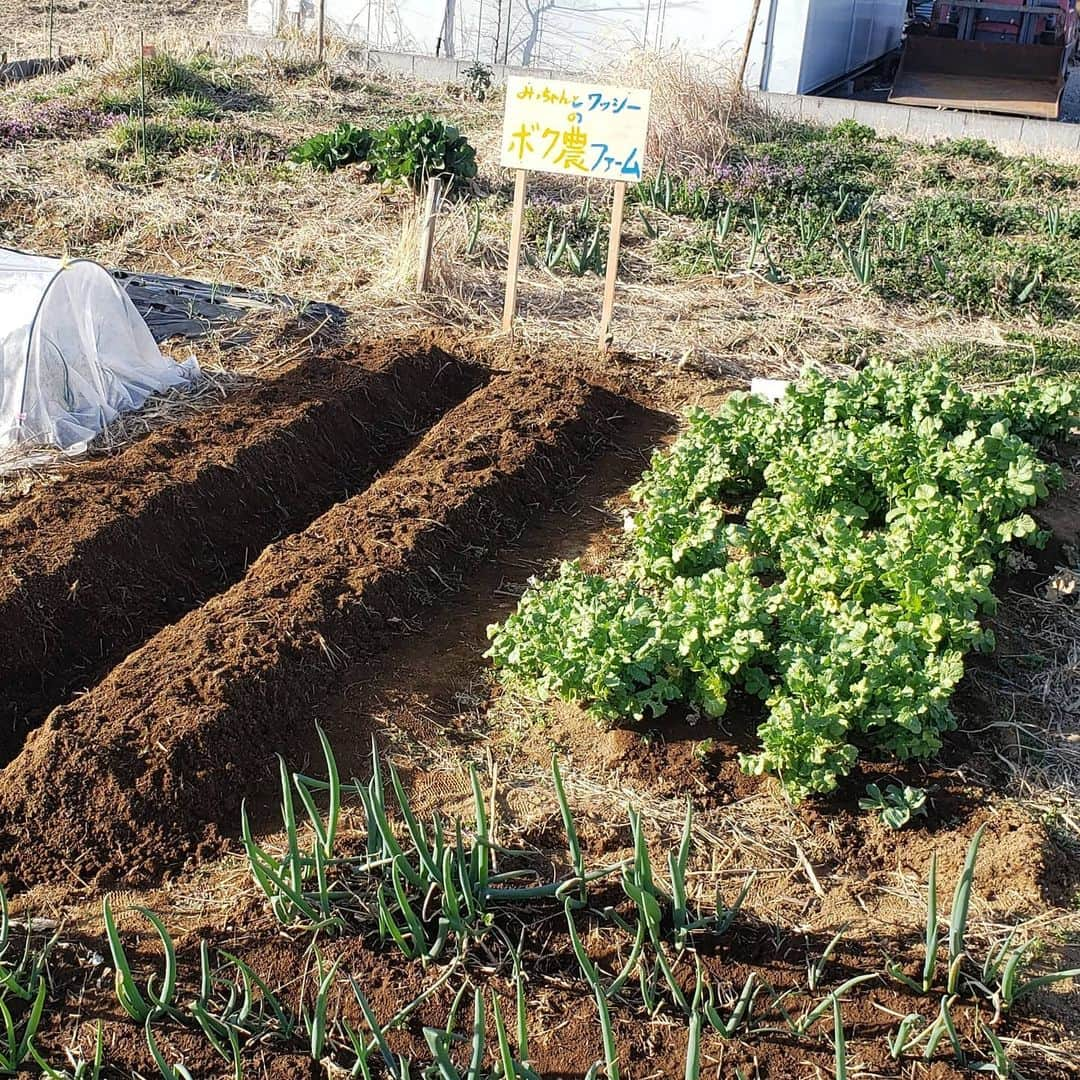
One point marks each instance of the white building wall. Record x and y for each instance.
(842, 35)
(797, 44)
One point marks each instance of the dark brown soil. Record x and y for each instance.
(337, 624)
(126, 545)
(152, 764)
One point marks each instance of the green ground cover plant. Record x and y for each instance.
(981, 233)
(829, 555)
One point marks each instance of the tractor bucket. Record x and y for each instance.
(986, 76)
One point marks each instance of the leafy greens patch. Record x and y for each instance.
(830, 554)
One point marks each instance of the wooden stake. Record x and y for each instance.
(517, 224)
(614, 241)
(142, 102)
(427, 233)
(746, 46)
(322, 29)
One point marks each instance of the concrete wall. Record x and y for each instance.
(425, 68)
(1010, 134)
(441, 70)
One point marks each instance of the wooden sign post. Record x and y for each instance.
(614, 241)
(572, 129)
(517, 225)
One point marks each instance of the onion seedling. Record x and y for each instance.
(178, 1071)
(81, 1069)
(317, 1023)
(1012, 986)
(22, 978)
(588, 969)
(1001, 1066)
(740, 1013)
(931, 940)
(141, 1008)
(958, 916)
(839, 1044)
(15, 1046)
(816, 970)
(807, 1021)
(286, 1024)
(906, 1035)
(941, 1027)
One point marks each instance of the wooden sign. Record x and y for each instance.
(572, 129)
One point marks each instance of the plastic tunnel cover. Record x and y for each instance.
(74, 352)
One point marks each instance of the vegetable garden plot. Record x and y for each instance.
(130, 543)
(785, 1027)
(133, 776)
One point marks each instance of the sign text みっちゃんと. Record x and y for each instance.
(575, 128)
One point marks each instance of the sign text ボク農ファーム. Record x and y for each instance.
(575, 128)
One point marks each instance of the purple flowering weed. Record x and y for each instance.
(56, 118)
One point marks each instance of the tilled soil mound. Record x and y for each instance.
(129, 779)
(131, 543)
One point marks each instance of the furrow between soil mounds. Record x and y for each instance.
(96, 565)
(151, 765)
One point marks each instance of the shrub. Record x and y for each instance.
(479, 80)
(417, 148)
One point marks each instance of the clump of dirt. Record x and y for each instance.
(128, 544)
(151, 765)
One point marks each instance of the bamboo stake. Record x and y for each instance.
(142, 102)
(322, 29)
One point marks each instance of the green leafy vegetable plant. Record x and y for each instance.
(344, 145)
(830, 554)
(416, 148)
(896, 806)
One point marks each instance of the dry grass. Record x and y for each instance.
(99, 28)
(233, 216)
(696, 106)
(1038, 697)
